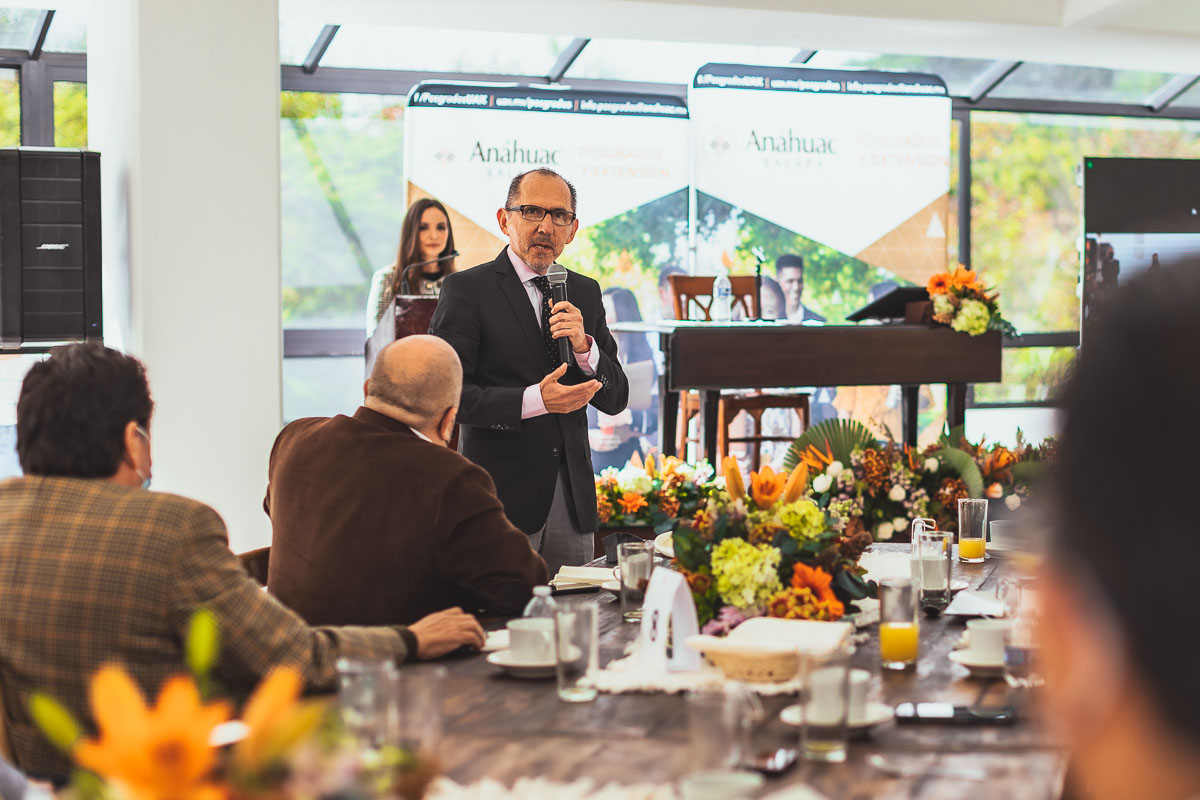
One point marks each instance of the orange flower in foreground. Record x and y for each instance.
(155, 753)
(938, 284)
(819, 581)
(733, 478)
(275, 720)
(963, 278)
(766, 486)
(796, 484)
(631, 502)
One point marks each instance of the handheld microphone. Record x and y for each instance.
(407, 278)
(557, 275)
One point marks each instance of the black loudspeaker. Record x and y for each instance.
(49, 248)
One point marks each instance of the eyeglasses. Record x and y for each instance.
(559, 216)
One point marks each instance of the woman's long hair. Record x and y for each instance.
(409, 252)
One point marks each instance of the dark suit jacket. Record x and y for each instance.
(486, 315)
(372, 525)
(93, 572)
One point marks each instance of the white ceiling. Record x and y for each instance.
(1155, 35)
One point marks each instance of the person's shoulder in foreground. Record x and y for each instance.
(1118, 598)
(97, 569)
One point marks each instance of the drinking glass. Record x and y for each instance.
(576, 639)
(719, 723)
(972, 527)
(636, 562)
(933, 552)
(366, 700)
(898, 627)
(824, 704)
(918, 525)
(417, 709)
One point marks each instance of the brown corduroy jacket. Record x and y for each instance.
(92, 572)
(372, 525)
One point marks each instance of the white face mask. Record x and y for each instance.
(145, 478)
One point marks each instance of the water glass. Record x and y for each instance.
(824, 704)
(577, 653)
(972, 530)
(417, 710)
(636, 562)
(898, 626)
(933, 553)
(719, 723)
(366, 692)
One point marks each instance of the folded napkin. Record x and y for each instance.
(767, 636)
(582, 576)
(543, 789)
(969, 603)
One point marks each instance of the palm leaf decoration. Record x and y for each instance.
(962, 463)
(1028, 472)
(841, 436)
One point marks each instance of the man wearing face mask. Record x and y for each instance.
(96, 570)
(523, 413)
(376, 521)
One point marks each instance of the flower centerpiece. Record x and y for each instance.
(172, 749)
(650, 494)
(767, 550)
(962, 302)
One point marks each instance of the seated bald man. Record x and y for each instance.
(376, 521)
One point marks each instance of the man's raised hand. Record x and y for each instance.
(560, 399)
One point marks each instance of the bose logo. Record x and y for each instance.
(49, 246)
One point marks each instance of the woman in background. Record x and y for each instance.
(425, 237)
(615, 439)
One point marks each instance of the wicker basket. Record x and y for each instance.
(755, 667)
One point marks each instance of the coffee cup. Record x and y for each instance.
(860, 679)
(531, 639)
(986, 640)
(1004, 533)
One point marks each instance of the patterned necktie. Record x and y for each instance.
(543, 285)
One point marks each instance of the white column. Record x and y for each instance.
(183, 105)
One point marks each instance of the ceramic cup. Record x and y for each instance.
(986, 639)
(532, 639)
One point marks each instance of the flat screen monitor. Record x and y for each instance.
(1139, 214)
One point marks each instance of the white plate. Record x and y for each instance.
(874, 714)
(664, 543)
(976, 665)
(959, 585)
(612, 586)
(521, 669)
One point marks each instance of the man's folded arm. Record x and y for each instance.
(256, 631)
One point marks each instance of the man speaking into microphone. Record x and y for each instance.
(535, 350)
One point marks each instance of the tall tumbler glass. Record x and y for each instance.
(719, 723)
(577, 651)
(417, 710)
(366, 700)
(898, 626)
(933, 551)
(824, 704)
(635, 561)
(972, 530)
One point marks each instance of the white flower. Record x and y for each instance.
(821, 484)
(932, 464)
(833, 469)
(899, 524)
(1012, 502)
(632, 479)
(897, 494)
(884, 531)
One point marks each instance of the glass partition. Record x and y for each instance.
(666, 62)
(440, 50)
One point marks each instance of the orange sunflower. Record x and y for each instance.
(963, 278)
(938, 284)
(820, 582)
(631, 502)
(152, 753)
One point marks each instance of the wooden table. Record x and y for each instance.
(505, 728)
(710, 357)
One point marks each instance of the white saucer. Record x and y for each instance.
(664, 543)
(959, 585)
(521, 669)
(977, 666)
(873, 714)
(612, 586)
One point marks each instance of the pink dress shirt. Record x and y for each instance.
(531, 402)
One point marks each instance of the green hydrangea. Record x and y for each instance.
(973, 318)
(747, 575)
(942, 304)
(803, 520)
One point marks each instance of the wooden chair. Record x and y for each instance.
(256, 563)
(690, 292)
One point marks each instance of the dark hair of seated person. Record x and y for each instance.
(1131, 408)
(73, 410)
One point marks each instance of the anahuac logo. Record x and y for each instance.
(511, 152)
(444, 155)
(718, 145)
(790, 143)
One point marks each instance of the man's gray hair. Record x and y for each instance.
(418, 376)
(514, 187)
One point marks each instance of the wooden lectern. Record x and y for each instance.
(405, 315)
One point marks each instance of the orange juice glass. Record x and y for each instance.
(898, 628)
(972, 529)
(973, 550)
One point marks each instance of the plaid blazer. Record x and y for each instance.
(93, 572)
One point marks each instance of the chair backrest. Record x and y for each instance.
(695, 291)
